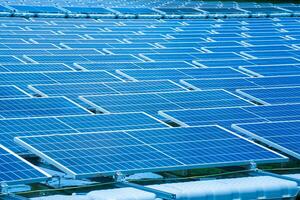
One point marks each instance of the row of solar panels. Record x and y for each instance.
(158, 12)
(176, 3)
(86, 155)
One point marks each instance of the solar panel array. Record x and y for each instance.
(65, 81)
(280, 135)
(15, 169)
(86, 155)
(157, 8)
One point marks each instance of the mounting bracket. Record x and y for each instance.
(6, 195)
(255, 171)
(121, 182)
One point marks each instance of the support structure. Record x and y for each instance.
(121, 182)
(6, 195)
(255, 171)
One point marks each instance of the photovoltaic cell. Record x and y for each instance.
(15, 170)
(283, 136)
(9, 59)
(84, 58)
(111, 122)
(88, 10)
(228, 116)
(147, 150)
(36, 9)
(152, 103)
(271, 70)
(80, 89)
(176, 74)
(38, 107)
(50, 67)
(82, 77)
(273, 95)
(232, 84)
(11, 128)
(11, 92)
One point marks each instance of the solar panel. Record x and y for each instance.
(16, 170)
(266, 10)
(4, 9)
(24, 79)
(145, 86)
(49, 67)
(222, 63)
(9, 59)
(190, 56)
(112, 122)
(147, 150)
(36, 9)
(82, 77)
(270, 70)
(151, 103)
(80, 89)
(179, 11)
(12, 92)
(222, 10)
(11, 128)
(240, 83)
(283, 136)
(228, 116)
(136, 11)
(274, 61)
(84, 58)
(272, 95)
(133, 65)
(176, 74)
(88, 10)
(230, 84)
(38, 107)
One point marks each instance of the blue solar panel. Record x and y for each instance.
(16, 170)
(180, 11)
(191, 56)
(75, 90)
(24, 79)
(240, 83)
(50, 67)
(223, 63)
(133, 65)
(36, 9)
(270, 54)
(112, 122)
(272, 95)
(88, 10)
(11, 128)
(84, 58)
(38, 107)
(230, 84)
(283, 136)
(228, 116)
(271, 70)
(147, 150)
(4, 9)
(152, 103)
(135, 11)
(82, 77)
(176, 74)
(12, 92)
(9, 59)
(274, 61)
